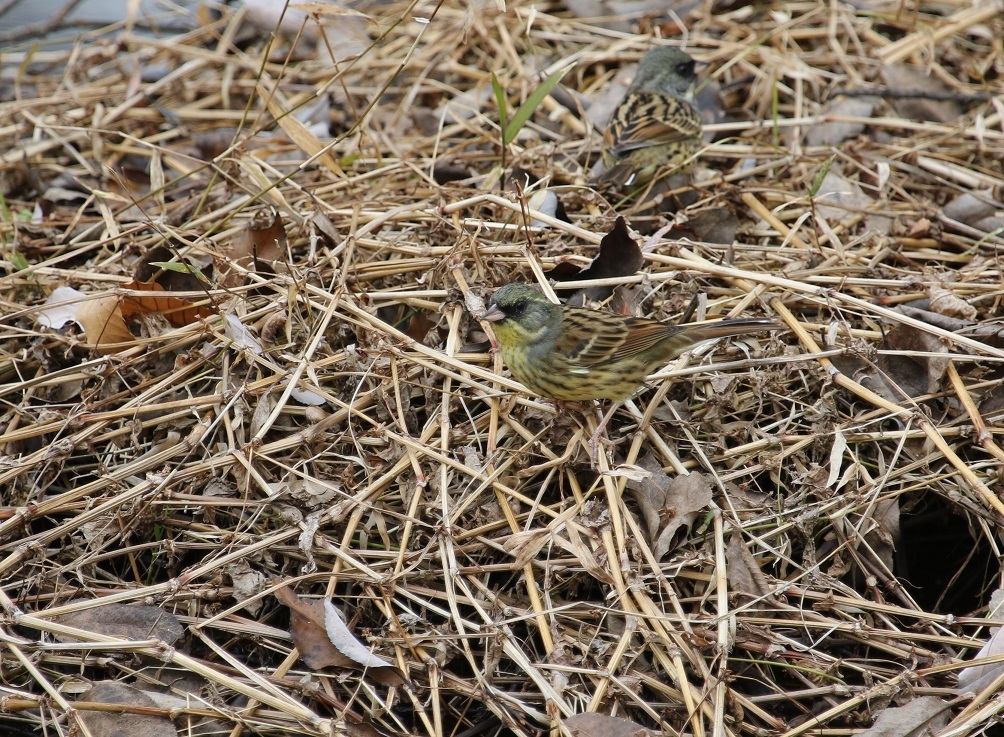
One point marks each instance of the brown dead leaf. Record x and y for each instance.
(419, 327)
(718, 225)
(103, 324)
(917, 374)
(744, 575)
(306, 626)
(882, 537)
(179, 312)
(103, 316)
(256, 248)
(111, 724)
(98, 315)
(309, 633)
(669, 506)
(946, 302)
(619, 256)
(127, 621)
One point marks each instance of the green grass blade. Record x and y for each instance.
(500, 101)
(817, 181)
(512, 129)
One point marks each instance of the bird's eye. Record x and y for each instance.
(685, 68)
(519, 305)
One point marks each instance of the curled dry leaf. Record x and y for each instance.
(545, 201)
(305, 540)
(103, 316)
(628, 471)
(240, 336)
(619, 256)
(669, 506)
(883, 536)
(248, 584)
(305, 396)
(311, 627)
(945, 302)
(99, 317)
(346, 642)
(312, 493)
(474, 303)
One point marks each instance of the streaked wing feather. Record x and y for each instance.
(640, 336)
(591, 339)
(651, 119)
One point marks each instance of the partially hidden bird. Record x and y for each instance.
(656, 127)
(574, 354)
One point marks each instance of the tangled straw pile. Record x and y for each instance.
(795, 534)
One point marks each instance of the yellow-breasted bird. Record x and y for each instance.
(574, 354)
(656, 127)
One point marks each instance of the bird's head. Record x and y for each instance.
(522, 312)
(667, 70)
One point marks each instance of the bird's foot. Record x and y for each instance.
(599, 435)
(595, 440)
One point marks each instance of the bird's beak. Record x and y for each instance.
(493, 314)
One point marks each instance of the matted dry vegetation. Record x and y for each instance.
(792, 534)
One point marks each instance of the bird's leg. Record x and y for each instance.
(597, 436)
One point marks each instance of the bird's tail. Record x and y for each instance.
(691, 335)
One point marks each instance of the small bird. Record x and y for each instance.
(656, 127)
(573, 354)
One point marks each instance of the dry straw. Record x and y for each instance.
(848, 533)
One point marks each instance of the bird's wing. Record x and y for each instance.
(651, 119)
(589, 338)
